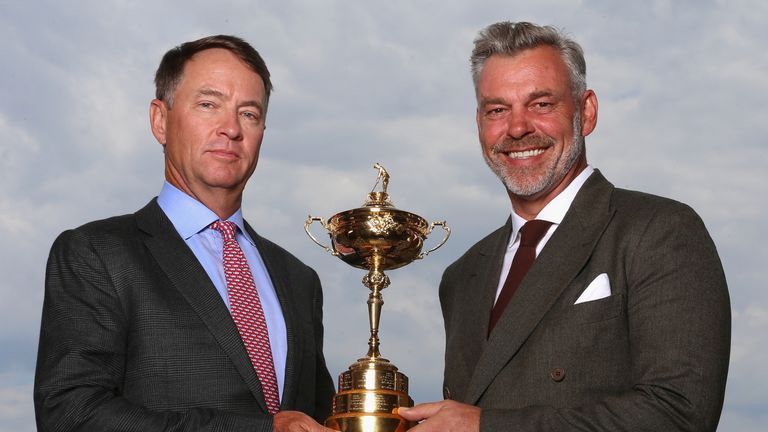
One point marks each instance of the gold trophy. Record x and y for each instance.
(375, 237)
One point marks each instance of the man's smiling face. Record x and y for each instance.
(529, 123)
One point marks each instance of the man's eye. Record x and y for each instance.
(206, 105)
(495, 112)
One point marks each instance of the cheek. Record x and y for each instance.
(182, 137)
(486, 143)
(556, 127)
(252, 152)
(489, 133)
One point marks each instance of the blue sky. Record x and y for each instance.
(681, 85)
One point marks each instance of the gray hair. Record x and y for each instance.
(508, 38)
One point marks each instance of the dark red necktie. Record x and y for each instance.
(530, 235)
(248, 314)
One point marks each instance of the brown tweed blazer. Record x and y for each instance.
(652, 356)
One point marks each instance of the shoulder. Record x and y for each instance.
(487, 246)
(650, 233)
(627, 200)
(642, 211)
(99, 231)
(599, 196)
(93, 254)
(104, 234)
(114, 225)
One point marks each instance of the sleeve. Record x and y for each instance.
(679, 325)
(81, 355)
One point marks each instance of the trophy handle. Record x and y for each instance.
(432, 226)
(309, 222)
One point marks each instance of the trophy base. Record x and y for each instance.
(369, 392)
(368, 423)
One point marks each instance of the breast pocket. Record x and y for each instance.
(589, 331)
(595, 311)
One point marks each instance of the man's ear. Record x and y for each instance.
(588, 112)
(158, 114)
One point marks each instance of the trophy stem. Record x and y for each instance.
(376, 281)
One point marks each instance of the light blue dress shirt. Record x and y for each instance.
(192, 220)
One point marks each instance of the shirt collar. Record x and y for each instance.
(189, 216)
(556, 209)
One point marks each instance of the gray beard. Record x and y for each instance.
(526, 184)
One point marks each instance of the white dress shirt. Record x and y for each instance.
(553, 212)
(192, 221)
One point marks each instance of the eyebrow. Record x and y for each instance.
(252, 103)
(541, 93)
(492, 101)
(210, 92)
(501, 101)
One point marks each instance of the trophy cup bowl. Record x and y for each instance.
(375, 237)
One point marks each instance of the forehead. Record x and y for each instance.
(220, 69)
(535, 69)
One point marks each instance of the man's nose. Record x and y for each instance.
(519, 124)
(230, 126)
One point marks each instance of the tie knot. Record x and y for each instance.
(532, 232)
(226, 228)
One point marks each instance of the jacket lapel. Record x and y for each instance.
(277, 273)
(484, 275)
(559, 262)
(188, 276)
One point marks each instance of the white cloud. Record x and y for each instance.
(16, 413)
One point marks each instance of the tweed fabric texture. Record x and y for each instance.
(652, 356)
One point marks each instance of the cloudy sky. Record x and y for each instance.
(682, 88)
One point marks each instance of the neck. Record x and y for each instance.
(223, 205)
(224, 202)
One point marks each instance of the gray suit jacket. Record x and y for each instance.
(135, 336)
(653, 356)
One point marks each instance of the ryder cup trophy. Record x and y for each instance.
(375, 237)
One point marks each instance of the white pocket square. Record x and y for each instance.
(597, 289)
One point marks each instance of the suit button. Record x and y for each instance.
(557, 374)
(446, 392)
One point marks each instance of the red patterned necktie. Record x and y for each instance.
(530, 235)
(247, 313)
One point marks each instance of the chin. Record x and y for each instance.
(225, 178)
(525, 185)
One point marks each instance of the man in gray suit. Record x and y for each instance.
(622, 322)
(180, 316)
